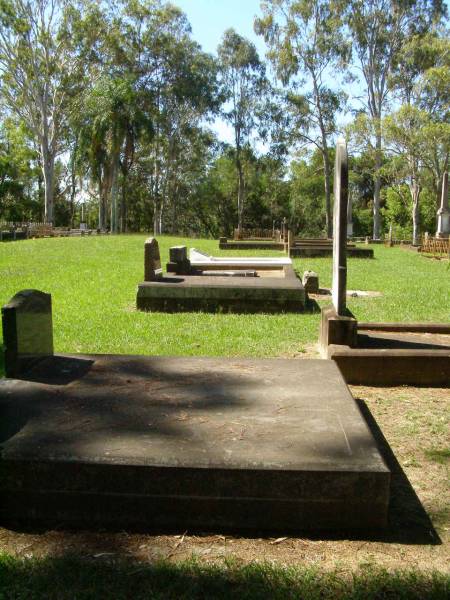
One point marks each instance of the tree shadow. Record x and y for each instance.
(70, 576)
(409, 523)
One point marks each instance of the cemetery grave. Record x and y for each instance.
(376, 353)
(314, 247)
(213, 284)
(257, 239)
(160, 442)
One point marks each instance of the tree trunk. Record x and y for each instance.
(157, 219)
(327, 172)
(114, 198)
(101, 206)
(415, 195)
(241, 193)
(48, 169)
(377, 188)
(123, 205)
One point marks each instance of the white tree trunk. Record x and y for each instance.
(48, 169)
(377, 190)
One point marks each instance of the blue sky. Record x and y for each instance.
(209, 19)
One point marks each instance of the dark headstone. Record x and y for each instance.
(178, 254)
(311, 282)
(179, 262)
(152, 260)
(27, 330)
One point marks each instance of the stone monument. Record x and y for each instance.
(443, 214)
(337, 325)
(27, 330)
(152, 260)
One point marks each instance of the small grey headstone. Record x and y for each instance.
(152, 260)
(27, 330)
(339, 287)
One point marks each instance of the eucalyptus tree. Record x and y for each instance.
(39, 74)
(419, 132)
(422, 80)
(306, 46)
(175, 83)
(404, 136)
(244, 84)
(378, 30)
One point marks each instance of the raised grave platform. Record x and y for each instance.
(178, 443)
(317, 247)
(271, 285)
(395, 354)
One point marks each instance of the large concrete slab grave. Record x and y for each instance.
(198, 443)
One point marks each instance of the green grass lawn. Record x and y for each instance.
(68, 578)
(93, 285)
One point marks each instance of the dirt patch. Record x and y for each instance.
(411, 427)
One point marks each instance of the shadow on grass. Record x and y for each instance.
(71, 577)
(408, 521)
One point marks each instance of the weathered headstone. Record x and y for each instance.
(152, 260)
(27, 330)
(443, 214)
(178, 253)
(339, 286)
(311, 282)
(337, 325)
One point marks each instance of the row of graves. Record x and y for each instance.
(164, 443)
(296, 247)
(14, 230)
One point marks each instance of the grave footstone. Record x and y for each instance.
(27, 330)
(337, 325)
(152, 260)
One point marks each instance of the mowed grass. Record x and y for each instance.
(93, 285)
(67, 578)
